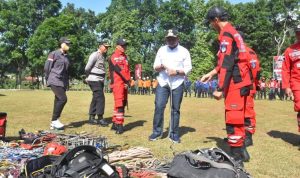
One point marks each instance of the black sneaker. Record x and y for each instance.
(120, 128)
(102, 123)
(174, 138)
(92, 120)
(154, 137)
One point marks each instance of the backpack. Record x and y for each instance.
(206, 163)
(83, 161)
(3, 121)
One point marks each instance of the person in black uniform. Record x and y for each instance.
(95, 72)
(57, 77)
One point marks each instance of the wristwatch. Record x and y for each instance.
(177, 72)
(219, 89)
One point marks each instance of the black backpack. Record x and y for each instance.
(83, 161)
(206, 163)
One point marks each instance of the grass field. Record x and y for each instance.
(276, 143)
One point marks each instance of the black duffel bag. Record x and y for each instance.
(83, 161)
(206, 163)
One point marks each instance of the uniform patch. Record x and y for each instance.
(295, 55)
(253, 63)
(223, 46)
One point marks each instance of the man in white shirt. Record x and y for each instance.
(173, 62)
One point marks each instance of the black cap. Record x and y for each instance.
(105, 43)
(64, 40)
(216, 12)
(172, 33)
(122, 42)
(297, 29)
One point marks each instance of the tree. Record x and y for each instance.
(19, 19)
(76, 24)
(202, 58)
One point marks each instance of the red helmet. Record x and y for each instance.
(54, 148)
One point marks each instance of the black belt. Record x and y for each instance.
(100, 75)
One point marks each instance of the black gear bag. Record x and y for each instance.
(83, 161)
(206, 163)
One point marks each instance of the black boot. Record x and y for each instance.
(120, 129)
(114, 126)
(245, 154)
(92, 120)
(248, 139)
(101, 121)
(236, 153)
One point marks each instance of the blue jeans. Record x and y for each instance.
(161, 98)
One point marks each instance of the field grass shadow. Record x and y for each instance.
(182, 131)
(220, 143)
(132, 125)
(2, 94)
(288, 137)
(85, 121)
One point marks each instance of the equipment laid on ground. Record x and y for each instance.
(206, 163)
(3, 120)
(83, 161)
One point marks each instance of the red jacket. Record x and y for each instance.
(255, 69)
(233, 60)
(291, 67)
(119, 68)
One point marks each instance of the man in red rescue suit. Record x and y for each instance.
(250, 115)
(234, 80)
(291, 73)
(120, 78)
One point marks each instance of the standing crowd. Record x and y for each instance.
(238, 81)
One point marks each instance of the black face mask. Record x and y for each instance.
(173, 46)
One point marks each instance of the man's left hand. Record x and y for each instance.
(217, 95)
(172, 72)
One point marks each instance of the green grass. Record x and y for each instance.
(275, 153)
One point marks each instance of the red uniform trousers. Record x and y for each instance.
(250, 119)
(296, 94)
(234, 117)
(120, 99)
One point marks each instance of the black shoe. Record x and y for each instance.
(92, 120)
(120, 128)
(248, 139)
(236, 153)
(114, 126)
(102, 123)
(245, 154)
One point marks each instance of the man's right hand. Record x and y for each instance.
(206, 77)
(160, 68)
(289, 93)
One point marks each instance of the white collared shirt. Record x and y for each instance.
(178, 58)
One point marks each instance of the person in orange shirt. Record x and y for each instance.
(154, 85)
(132, 87)
(148, 85)
(140, 86)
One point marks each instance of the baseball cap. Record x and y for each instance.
(122, 42)
(172, 33)
(105, 43)
(297, 29)
(65, 40)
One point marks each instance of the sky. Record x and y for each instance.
(99, 6)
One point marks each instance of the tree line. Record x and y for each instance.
(30, 29)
